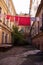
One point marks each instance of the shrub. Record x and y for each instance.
(17, 37)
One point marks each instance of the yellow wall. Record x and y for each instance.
(4, 27)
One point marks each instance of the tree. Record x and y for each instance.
(17, 37)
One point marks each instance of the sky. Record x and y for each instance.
(21, 6)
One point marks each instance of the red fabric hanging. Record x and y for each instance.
(12, 18)
(24, 21)
(16, 18)
(8, 16)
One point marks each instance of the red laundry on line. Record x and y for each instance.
(8, 16)
(24, 21)
(12, 18)
(16, 18)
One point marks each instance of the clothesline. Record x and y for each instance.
(21, 20)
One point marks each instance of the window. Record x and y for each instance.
(0, 10)
(10, 9)
(6, 38)
(33, 1)
(41, 27)
(0, 13)
(42, 19)
(7, 2)
(2, 37)
(4, 20)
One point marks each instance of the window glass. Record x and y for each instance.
(7, 2)
(0, 10)
(6, 38)
(2, 37)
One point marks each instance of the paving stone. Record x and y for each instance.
(12, 61)
(18, 56)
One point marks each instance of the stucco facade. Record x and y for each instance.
(37, 32)
(6, 8)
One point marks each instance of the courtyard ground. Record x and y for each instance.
(21, 55)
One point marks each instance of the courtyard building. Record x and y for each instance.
(37, 28)
(6, 8)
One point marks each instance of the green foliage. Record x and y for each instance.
(17, 37)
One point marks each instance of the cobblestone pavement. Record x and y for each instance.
(20, 56)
